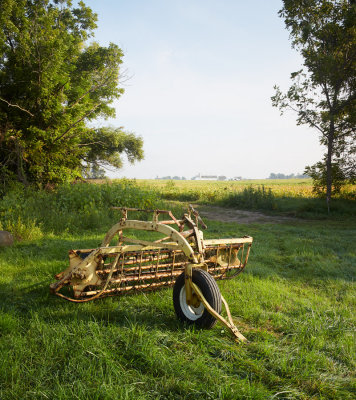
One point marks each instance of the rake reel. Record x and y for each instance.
(181, 258)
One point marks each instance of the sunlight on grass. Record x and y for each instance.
(295, 303)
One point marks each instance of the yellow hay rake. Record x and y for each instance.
(181, 258)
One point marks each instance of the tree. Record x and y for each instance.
(324, 94)
(104, 147)
(52, 84)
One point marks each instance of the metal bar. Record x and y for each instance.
(173, 261)
(169, 222)
(217, 255)
(157, 264)
(170, 245)
(144, 267)
(110, 292)
(146, 277)
(122, 263)
(209, 242)
(188, 271)
(248, 252)
(211, 311)
(140, 209)
(161, 240)
(233, 328)
(140, 270)
(165, 268)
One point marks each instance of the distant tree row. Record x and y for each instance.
(283, 176)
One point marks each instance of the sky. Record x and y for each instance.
(201, 75)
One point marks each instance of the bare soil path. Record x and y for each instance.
(242, 216)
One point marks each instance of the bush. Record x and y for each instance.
(252, 198)
(26, 213)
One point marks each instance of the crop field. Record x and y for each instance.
(288, 196)
(295, 302)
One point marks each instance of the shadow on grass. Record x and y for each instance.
(311, 254)
(155, 312)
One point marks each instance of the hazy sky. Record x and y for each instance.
(202, 74)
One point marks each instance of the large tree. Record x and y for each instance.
(323, 94)
(52, 84)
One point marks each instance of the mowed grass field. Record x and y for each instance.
(295, 302)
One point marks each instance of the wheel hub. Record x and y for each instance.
(194, 311)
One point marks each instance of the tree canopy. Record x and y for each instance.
(323, 94)
(53, 83)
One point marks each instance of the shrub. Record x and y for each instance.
(252, 198)
(27, 212)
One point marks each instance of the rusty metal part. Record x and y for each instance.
(134, 264)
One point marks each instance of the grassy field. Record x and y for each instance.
(295, 303)
(283, 196)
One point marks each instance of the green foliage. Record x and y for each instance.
(28, 213)
(252, 198)
(324, 97)
(319, 175)
(51, 85)
(105, 146)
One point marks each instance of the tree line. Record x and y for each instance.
(283, 176)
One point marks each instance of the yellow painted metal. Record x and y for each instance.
(151, 226)
(246, 239)
(87, 268)
(188, 283)
(229, 324)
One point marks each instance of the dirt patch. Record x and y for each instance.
(241, 216)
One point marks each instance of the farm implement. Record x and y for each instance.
(124, 264)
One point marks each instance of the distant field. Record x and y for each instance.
(300, 188)
(217, 190)
(286, 196)
(295, 302)
(200, 184)
(279, 187)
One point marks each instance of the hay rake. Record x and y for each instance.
(181, 258)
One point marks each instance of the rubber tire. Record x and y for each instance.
(211, 292)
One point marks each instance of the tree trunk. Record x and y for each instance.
(329, 178)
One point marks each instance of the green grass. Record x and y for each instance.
(295, 303)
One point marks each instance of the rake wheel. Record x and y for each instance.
(197, 315)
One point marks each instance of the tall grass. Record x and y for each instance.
(252, 198)
(293, 197)
(28, 213)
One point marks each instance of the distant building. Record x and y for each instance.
(206, 177)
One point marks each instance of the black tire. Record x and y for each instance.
(198, 316)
